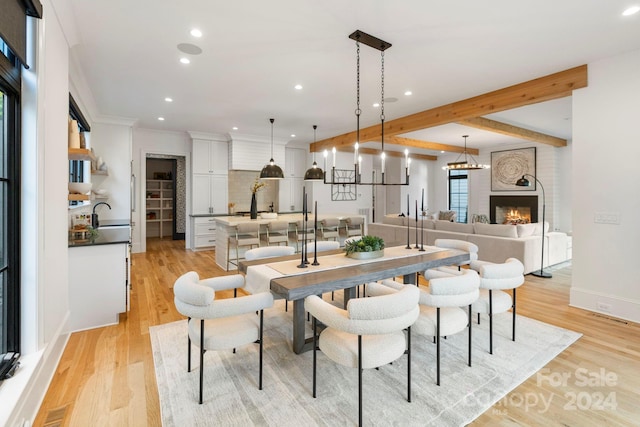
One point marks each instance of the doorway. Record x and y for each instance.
(165, 197)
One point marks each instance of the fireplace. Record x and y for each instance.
(513, 209)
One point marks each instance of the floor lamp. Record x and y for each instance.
(524, 182)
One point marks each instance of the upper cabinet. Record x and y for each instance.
(296, 163)
(210, 157)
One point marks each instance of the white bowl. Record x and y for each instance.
(268, 215)
(100, 191)
(79, 187)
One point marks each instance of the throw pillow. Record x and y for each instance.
(447, 215)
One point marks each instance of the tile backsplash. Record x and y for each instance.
(240, 183)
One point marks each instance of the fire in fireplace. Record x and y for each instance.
(513, 209)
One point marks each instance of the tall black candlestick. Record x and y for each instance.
(407, 218)
(315, 236)
(422, 224)
(417, 247)
(304, 226)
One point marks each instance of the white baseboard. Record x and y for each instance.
(605, 304)
(34, 374)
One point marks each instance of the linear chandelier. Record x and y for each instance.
(380, 45)
(465, 165)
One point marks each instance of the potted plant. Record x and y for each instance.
(365, 248)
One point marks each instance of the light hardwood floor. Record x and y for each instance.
(106, 375)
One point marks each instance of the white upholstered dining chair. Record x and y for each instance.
(262, 253)
(219, 324)
(494, 280)
(441, 314)
(368, 334)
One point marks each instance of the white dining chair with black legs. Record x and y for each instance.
(441, 312)
(370, 333)
(495, 279)
(251, 285)
(219, 324)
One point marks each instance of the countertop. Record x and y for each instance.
(291, 217)
(114, 223)
(239, 216)
(105, 236)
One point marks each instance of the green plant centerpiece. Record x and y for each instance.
(365, 248)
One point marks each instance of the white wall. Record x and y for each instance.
(113, 143)
(605, 170)
(155, 142)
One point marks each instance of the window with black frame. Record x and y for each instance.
(459, 194)
(13, 57)
(9, 206)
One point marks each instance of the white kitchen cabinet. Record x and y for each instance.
(290, 194)
(204, 232)
(98, 285)
(210, 157)
(295, 163)
(210, 194)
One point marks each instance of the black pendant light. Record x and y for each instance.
(314, 173)
(271, 170)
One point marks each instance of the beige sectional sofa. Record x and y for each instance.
(496, 242)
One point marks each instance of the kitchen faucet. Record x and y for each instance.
(94, 216)
(271, 207)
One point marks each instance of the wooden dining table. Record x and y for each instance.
(333, 273)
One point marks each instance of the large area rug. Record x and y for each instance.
(232, 398)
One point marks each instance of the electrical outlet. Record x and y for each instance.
(604, 307)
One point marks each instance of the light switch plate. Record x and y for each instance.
(607, 218)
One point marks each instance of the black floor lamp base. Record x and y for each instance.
(541, 273)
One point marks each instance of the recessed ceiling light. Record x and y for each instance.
(167, 99)
(196, 32)
(376, 105)
(185, 60)
(293, 135)
(408, 93)
(631, 11)
(235, 128)
(298, 87)
(161, 119)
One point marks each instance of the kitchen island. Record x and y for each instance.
(225, 227)
(99, 278)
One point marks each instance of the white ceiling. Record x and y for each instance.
(255, 51)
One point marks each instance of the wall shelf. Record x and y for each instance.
(80, 154)
(78, 197)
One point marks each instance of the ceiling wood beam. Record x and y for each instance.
(374, 151)
(553, 86)
(515, 131)
(428, 145)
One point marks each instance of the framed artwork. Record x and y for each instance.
(343, 191)
(510, 165)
